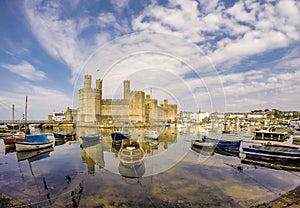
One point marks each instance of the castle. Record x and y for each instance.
(134, 107)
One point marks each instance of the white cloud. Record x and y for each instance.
(26, 70)
(245, 29)
(120, 4)
(60, 36)
(41, 101)
(227, 36)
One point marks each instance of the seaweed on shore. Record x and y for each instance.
(6, 201)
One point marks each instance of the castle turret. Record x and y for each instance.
(98, 98)
(126, 89)
(87, 81)
(99, 88)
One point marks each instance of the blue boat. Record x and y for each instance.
(273, 153)
(90, 140)
(229, 146)
(34, 142)
(118, 137)
(64, 136)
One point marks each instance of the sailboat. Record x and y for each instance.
(14, 137)
(33, 142)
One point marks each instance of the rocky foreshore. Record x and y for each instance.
(290, 199)
(6, 201)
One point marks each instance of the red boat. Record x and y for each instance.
(15, 137)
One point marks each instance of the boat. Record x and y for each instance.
(273, 153)
(5, 135)
(131, 152)
(151, 134)
(296, 136)
(201, 143)
(205, 148)
(14, 137)
(270, 133)
(34, 142)
(228, 146)
(118, 137)
(91, 137)
(64, 135)
(90, 140)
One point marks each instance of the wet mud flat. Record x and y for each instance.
(290, 199)
(9, 202)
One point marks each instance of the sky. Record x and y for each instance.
(208, 55)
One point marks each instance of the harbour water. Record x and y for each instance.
(172, 174)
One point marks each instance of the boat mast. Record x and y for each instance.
(13, 116)
(25, 122)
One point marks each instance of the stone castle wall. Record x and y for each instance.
(134, 107)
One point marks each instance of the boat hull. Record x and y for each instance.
(131, 152)
(118, 137)
(90, 140)
(225, 145)
(29, 146)
(151, 134)
(64, 136)
(273, 153)
(11, 141)
(270, 135)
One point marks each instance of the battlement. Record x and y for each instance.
(135, 105)
(114, 102)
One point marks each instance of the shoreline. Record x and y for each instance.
(289, 199)
(6, 201)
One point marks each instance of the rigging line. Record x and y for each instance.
(46, 200)
(241, 171)
(150, 199)
(9, 107)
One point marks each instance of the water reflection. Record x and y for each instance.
(135, 170)
(34, 155)
(156, 155)
(92, 175)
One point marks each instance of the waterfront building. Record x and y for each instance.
(68, 115)
(135, 106)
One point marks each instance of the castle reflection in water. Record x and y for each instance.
(104, 153)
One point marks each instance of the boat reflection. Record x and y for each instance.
(155, 155)
(10, 149)
(203, 150)
(272, 165)
(34, 155)
(136, 170)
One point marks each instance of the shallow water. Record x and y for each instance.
(171, 175)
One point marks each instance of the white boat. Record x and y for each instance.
(34, 142)
(28, 146)
(271, 133)
(151, 134)
(296, 135)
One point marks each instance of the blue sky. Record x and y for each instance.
(208, 54)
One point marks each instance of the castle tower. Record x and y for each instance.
(126, 89)
(99, 88)
(86, 109)
(165, 102)
(98, 98)
(87, 81)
